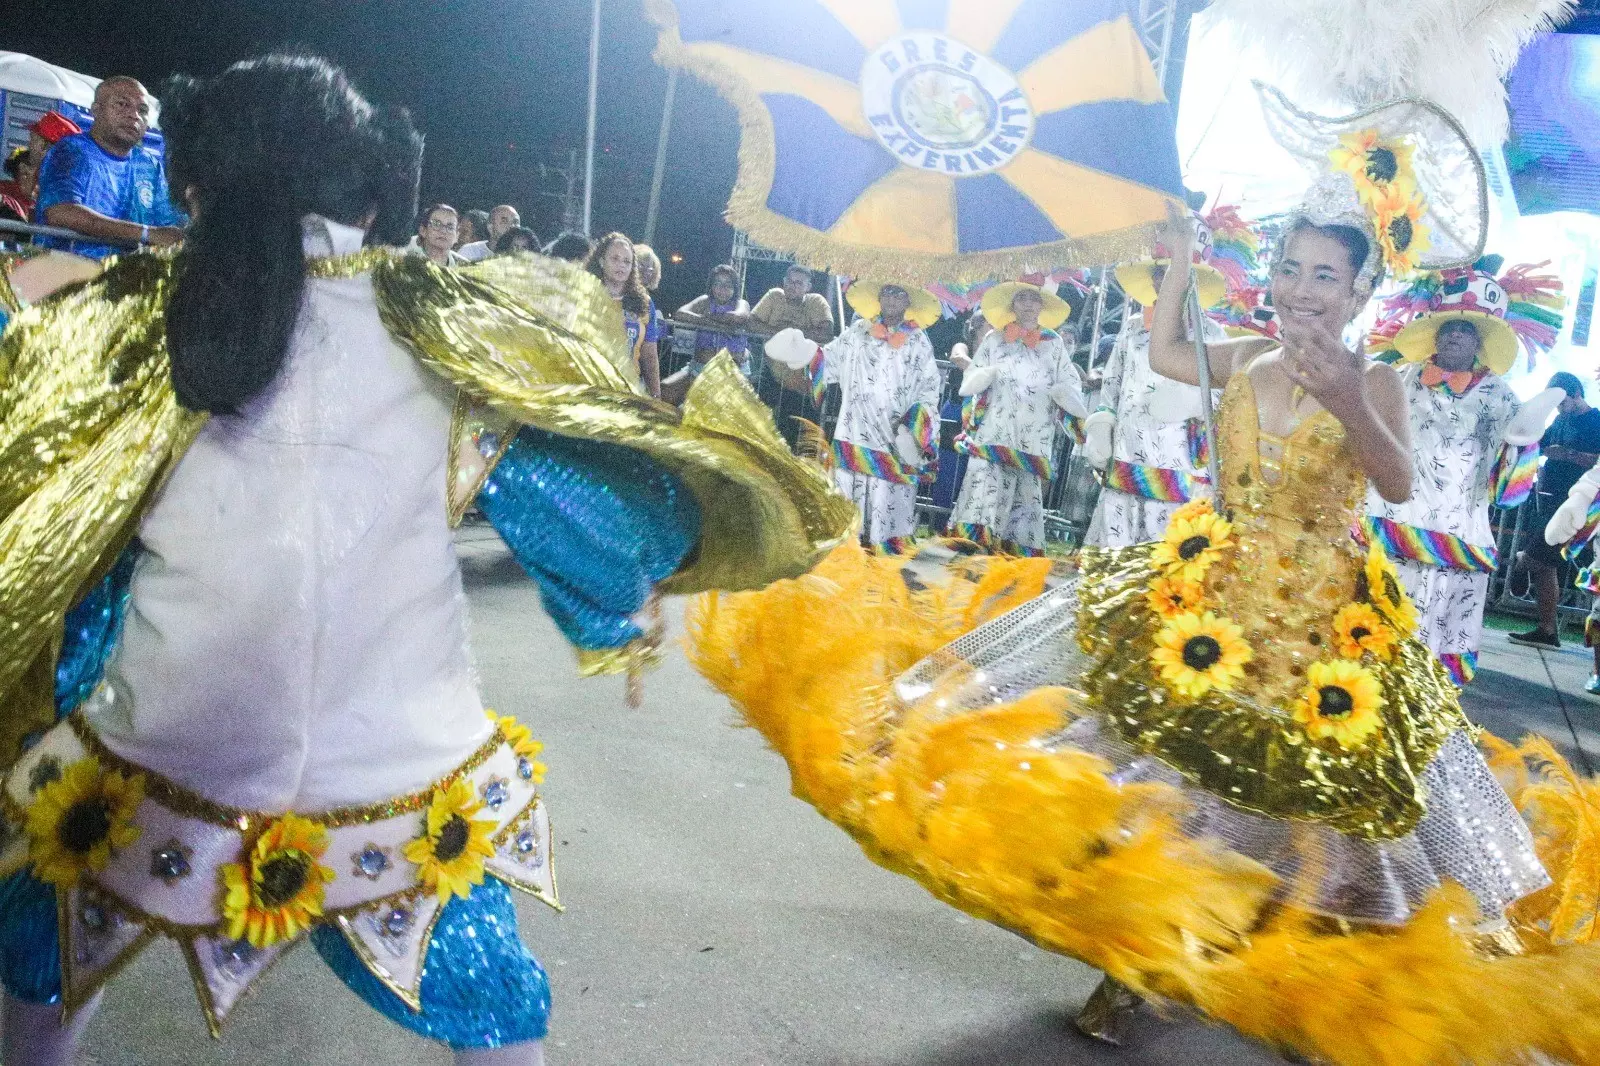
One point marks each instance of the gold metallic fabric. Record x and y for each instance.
(88, 425)
(765, 515)
(1294, 567)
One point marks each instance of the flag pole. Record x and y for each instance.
(661, 158)
(594, 92)
(1203, 372)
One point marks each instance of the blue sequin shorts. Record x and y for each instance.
(481, 988)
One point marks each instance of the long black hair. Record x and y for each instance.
(253, 150)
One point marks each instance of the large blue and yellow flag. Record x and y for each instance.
(936, 139)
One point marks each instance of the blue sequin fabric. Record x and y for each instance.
(30, 959)
(596, 525)
(91, 632)
(480, 986)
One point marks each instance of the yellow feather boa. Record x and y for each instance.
(1043, 843)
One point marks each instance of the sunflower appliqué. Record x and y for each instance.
(275, 894)
(1340, 702)
(1375, 164)
(1196, 653)
(79, 819)
(1169, 596)
(1385, 592)
(527, 750)
(1191, 545)
(1359, 629)
(1401, 234)
(452, 851)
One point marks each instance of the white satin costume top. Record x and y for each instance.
(296, 637)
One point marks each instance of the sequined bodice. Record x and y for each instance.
(1296, 564)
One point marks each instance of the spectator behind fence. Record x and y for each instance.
(436, 235)
(17, 191)
(649, 267)
(45, 134)
(721, 319)
(612, 262)
(1571, 446)
(107, 183)
(795, 306)
(573, 247)
(502, 220)
(472, 227)
(517, 239)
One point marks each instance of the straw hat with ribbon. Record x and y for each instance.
(1138, 278)
(997, 305)
(863, 298)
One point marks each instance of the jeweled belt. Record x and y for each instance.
(135, 855)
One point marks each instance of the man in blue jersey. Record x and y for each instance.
(107, 183)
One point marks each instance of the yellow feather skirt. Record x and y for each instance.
(1043, 843)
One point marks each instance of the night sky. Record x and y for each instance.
(498, 87)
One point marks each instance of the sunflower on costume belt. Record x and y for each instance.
(1169, 596)
(1357, 628)
(1196, 653)
(520, 737)
(274, 895)
(1387, 594)
(451, 851)
(1401, 234)
(79, 819)
(1341, 701)
(1192, 510)
(1375, 164)
(1191, 545)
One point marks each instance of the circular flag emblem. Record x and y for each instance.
(935, 104)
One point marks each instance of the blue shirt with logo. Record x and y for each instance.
(132, 188)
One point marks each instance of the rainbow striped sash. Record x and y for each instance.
(1194, 431)
(1515, 473)
(1580, 540)
(1001, 455)
(848, 455)
(814, 372)
(1428, 546)
(923, 425)
(1155, 482)
(1462, 666)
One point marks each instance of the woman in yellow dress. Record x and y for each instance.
(1219, 767)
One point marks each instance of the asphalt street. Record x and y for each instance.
(711, 918)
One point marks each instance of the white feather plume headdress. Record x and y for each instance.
(1362, 53)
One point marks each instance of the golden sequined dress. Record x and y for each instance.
(1218, 767)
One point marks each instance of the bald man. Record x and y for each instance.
(107, 183)
(502, 220)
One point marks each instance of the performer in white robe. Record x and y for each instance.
(886, 437)
(1020, 382)
(1475, 444)
(1146, 435)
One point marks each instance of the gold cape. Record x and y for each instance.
(89, 427)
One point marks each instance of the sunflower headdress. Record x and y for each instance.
(1404, 173)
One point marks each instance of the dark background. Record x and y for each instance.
(498, 86)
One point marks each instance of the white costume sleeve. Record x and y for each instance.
(1568, 519)
(1528, 424)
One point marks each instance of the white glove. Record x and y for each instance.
(791, 348)
(975, 379)
(1097, 432)
(1568, 519)
(1529, 424)
(1173, 401)
(910, 451)
(1070, 399)
(961, 355)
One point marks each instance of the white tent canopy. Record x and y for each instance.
(21, 73)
